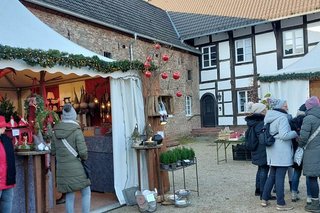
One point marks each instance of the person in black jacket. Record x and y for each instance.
(7, 169)
(258, 156)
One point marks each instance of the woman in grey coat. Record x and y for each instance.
(280, 154)
(311, 157)
(71, 176)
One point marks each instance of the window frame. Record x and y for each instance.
(188, 105)
(294, 38)
(247, 99)
(211, 65)
(245, 49)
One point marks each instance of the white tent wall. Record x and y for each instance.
(127, 111)
(296, 92)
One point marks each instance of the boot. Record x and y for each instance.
(294, 196)
(314, 207)
(257, 192)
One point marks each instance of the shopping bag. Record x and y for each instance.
(298, 156)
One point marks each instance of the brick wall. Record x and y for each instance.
(100, 39)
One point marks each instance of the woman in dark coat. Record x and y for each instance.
(311, 157)
(259, 156)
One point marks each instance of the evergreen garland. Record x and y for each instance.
(291, 76)
(51, 58)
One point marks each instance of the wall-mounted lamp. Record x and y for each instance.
(219, 96)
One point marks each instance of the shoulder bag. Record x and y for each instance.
(74, 153)
(298, 155)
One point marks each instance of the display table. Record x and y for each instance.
(100, 160)
(32, 193)
(152, 156)
(225, 144)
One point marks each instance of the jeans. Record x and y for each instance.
(295, 182)
(85, 199)
(261, 177)
(6, 198)
(314, 187)
(276, 176)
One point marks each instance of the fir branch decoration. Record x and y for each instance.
(291, 76)
(51, 58)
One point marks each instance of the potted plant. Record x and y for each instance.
(191, 155)
(172, 159)
(164, 160)
(178, 155)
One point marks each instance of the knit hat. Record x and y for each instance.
(312, 102)
(303, 108)
(68, 113)
(2, 122)
(256, 107)
(276, 103)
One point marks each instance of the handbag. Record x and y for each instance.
(85, 166)
(298, 155)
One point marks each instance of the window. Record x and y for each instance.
(188, 106)
(189, 75)
(243, 98)
(209, 56)
(293, 42)
(243, 50)
(107, 54)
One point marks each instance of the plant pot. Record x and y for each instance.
(165, 166)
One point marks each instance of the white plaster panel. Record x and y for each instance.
(220, 109)
(265, 42)
(286, 62)
(227, 96)
(313, 32)
(225, 69)
(291, 22)
(201, 40)
(202, 92)
(244, 82)
(225, 121)
(242, 32)
(219, 37)
(223, 85)
(228, 109)
(207, 85)
(267, 63)
(263, 27)
(313, 16)
(244, 69)
(208, 75)
(224, 50)
(241, 121)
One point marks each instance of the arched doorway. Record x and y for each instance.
(209, 110)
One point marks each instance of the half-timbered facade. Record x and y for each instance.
(238, 45)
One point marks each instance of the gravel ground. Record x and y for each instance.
(227, 187)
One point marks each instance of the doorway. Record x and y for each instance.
(209, 110)
(314, 88)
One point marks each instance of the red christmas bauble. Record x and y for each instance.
(179, 94)
(176, 75)
(149, 58)
(165, 57)
(164, 75)
(157, 46)
(147, 74)
(147, 65)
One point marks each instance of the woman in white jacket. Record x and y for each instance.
(280, 154)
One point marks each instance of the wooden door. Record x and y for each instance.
(209, 112)
(314, 88)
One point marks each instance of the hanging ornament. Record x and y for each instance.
(165, 57)
(147, 65)
(164, 75)
(149, 58)
(157, 46)
(176, 75)
(147, 74)
(179, 94)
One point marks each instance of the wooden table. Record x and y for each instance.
(225, 144)
(151, 152)
(39, 178)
